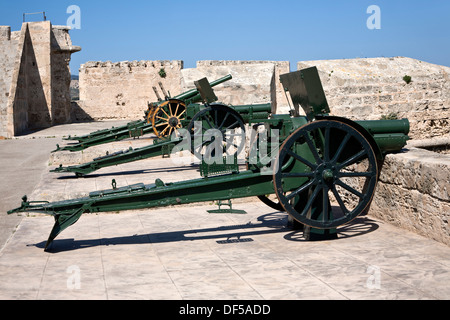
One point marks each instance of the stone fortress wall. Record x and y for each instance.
(372, 88)
(355, 88)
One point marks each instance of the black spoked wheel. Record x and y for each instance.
(217, 128)
(329, 174)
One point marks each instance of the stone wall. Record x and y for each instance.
(121, 90)
(34, 89)
(8, 46)
(372, 88)
(414, 193)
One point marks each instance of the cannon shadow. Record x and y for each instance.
(276, 222)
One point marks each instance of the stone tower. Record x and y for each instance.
(34, 77)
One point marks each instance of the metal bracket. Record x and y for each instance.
(43, 12)
(206, 91)
(230, 210)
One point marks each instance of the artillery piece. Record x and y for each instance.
(168, 118)
(324, 174)
(156, 120)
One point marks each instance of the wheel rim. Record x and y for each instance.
(226, 121)
(332, 178)
(168, 118)
(271, 202)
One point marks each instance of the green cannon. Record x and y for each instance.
(212, 116)
(152, 122)
(323, 169)
(230, 120)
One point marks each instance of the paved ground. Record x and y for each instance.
(186, 253)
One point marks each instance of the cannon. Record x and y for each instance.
(154, 120)
(324, 169)
(167, 123)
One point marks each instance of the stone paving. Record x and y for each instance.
(186, 253)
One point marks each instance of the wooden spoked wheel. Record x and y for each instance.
(167, 117)
(328, 174)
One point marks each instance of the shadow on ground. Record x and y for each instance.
(275, 222)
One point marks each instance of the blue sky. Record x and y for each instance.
(292, 30)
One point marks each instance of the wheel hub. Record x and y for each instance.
(173, 122)
(325, 174)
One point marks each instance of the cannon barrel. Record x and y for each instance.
(389, 135)
(386, 126)
(194, 94)
(254, 112)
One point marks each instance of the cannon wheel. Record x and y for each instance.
(167, 117)
(339, 161)
(222, 118)
(273, 203)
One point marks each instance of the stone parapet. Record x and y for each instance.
(414, 193)
(374, 88)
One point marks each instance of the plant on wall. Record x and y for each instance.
(390, 116)
(162, 73)
(407, 79)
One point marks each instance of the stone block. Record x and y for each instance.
(414, 193)
(5, 33)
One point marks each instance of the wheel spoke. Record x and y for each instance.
(341, 147)
(184, 111)
(176, 110)
(229, 127)
(301, 159)
(355, 174)
(168, 117)
(339, 200)
(348, 188)
(297, 175)
(313, 149)
(209, 123)
(327, 145)
(353, 159)
(311, 200)
(223, 121)
(299, 190)
(325, 207)
(165, 119)
(162, 133)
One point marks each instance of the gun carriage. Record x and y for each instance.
(324, 170)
